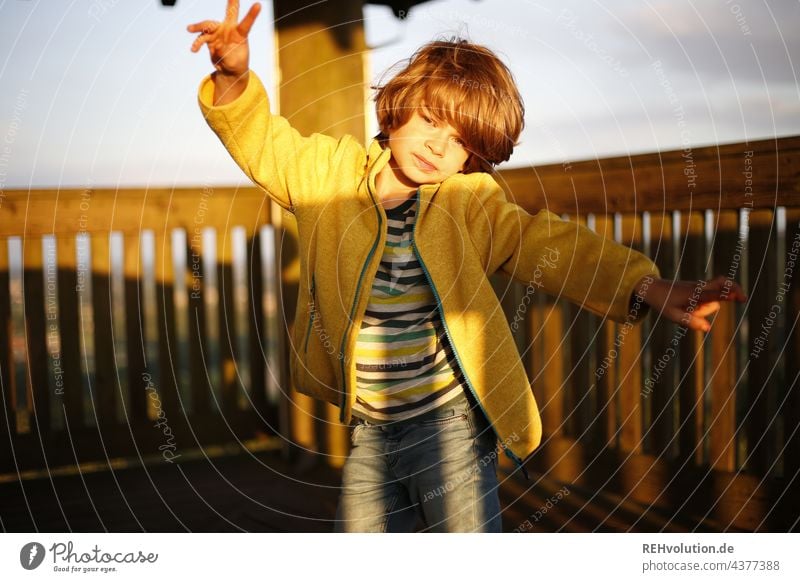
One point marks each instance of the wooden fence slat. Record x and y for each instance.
(274, 322)
(165, 317)
(580, 395)
(134, 331)
(228, 389)
(255, 328)
(691, 375)
(606, 373)
(38, 396)
(659, 386)
(7, 425)
(762, 277)
(728, 249)
(551, 401)
(630, 371)
(76, 395)
(199, 352)
(791, 408)
(105, 377)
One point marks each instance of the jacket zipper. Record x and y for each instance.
(313, 313)
(506, 450)
(343, 402)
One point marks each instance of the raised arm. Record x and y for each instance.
(234, 102)
(228, 49)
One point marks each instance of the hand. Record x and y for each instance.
(227, 40)
(689, 303)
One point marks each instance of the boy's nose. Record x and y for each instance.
(437, 145)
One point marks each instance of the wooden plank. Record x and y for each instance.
(134, 331)
(105, 376)
(728, 250)
(606, 373)
(7, 427)
(659, 387)
(329, 99)
(790, 411)
(66, 212)
(275, 338)
(648, 181)
(37, 398)
(579, 396)
(691, 373)
(762, 320)
(321, 48)
(535, 361)
(551, 400)
(255, 329)
(730, 501)
(165, 316)
(630, 371)
(200, 359)
(228, 388)
(76, 396)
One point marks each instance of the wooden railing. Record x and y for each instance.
(151, 322)
(658, 414)
(136, 323)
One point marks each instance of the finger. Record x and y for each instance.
(736, 293)
(733, 293)
(204, 26)
(729, 290)
(718, 283)
(687, 319)
(249, 19)
(707, 309)
(699, 324)
(232, 11)
(708, 295)
(200, 41)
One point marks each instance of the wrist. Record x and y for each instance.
(642, 288)
(231, 77)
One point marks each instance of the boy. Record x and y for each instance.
(396, 246)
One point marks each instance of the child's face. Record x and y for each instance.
(426, 150)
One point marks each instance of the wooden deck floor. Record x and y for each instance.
(263, 492)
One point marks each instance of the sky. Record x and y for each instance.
(102, 93)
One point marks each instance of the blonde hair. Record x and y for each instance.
(466, 85)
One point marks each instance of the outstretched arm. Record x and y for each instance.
(686, 302)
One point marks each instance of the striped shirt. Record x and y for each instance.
(404, 363)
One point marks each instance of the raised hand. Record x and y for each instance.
(227, 40)
(686, 302)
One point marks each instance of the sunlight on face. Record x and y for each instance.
(427, 150)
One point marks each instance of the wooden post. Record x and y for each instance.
(321, 49)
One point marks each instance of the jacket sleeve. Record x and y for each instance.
(560, 257)
(271, 152)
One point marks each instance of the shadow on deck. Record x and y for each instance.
(262, 492)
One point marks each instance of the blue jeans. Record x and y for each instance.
(441, 468)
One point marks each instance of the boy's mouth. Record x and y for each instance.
(424, 164)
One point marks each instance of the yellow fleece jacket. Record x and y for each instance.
(465, 231)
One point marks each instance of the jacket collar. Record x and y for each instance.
(377, 157)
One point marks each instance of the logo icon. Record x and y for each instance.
(31, 555)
